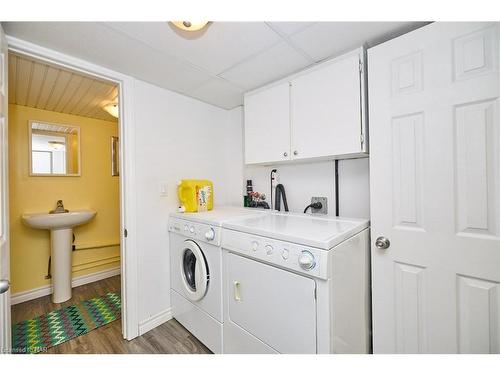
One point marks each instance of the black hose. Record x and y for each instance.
(315, 205)
(280, 193)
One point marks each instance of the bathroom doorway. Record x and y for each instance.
(65, 144)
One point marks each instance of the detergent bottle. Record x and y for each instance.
(195, 195)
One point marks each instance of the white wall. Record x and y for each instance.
(317, 179)
(176, 137)
(354, 188)
(231, 144)
(301, 182)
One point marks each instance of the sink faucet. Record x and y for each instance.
(59, 208)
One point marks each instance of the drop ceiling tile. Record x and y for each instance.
(271, 65)
(289, 28)
(106, 47)
(327, 39)
(219, 93)
(215, 48)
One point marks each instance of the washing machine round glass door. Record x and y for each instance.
(194, 271)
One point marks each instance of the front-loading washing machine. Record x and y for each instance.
(196, 271)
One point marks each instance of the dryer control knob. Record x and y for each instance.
(269, 249)
(210, 235)
(306, 260)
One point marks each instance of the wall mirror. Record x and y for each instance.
(54, 149)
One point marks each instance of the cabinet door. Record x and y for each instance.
(267, 125)
(326, 110)
(275, 306)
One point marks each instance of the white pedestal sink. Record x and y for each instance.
(61, 237)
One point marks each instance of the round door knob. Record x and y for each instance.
(382, 243)
(285, 154)
(295, 152)
(210, 234)
(4, 286)
(306, 260)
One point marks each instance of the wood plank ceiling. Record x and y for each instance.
(37, 84)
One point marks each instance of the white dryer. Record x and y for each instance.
(196, 271)
(296, 284)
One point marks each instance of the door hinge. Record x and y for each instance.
(315, 296)
(125, 233)
(360, 66)
(362, 139)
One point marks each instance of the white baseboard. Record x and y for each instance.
(154, 321)
(77, 281)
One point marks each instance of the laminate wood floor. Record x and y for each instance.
(169, 338)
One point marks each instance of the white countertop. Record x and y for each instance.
(322, 232)
(219, 215)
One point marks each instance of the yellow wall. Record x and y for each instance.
(95, 189)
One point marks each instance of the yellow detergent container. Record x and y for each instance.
(195, 195)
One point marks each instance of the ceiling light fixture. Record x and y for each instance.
(112, 109)
(56, 145)
(190, 25)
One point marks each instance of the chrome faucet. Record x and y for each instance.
(59, 208)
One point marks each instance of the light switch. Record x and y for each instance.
(163, 190)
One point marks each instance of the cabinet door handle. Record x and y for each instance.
(295, 152)
(237, 295)
(285, 154)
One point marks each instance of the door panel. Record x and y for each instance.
(410, 312)
(5, 339)
(326, 110)
(407, 134)
(276, 306)
(267, 125)
(478, 315)
(474, 163)
(434, 182)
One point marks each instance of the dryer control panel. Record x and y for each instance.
(197, 231)
(302, 259)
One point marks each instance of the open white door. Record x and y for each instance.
(5, 340)
(435, 190)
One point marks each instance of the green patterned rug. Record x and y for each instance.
(58, 326)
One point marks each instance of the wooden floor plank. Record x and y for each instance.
(170, 337)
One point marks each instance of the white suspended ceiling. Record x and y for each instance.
(216, 65)
(36, 84)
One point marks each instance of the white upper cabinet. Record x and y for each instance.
(315, 114)
(326, 110)
(267, 125)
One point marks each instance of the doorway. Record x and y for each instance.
(122, 171)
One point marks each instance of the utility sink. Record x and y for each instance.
(60, 224)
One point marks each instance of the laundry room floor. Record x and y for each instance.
(169, 338)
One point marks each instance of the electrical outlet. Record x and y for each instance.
(324, 202)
